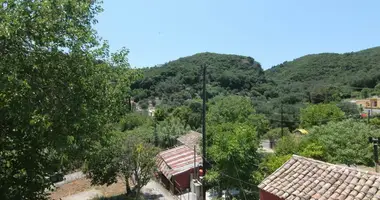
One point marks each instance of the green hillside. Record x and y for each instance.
(317, 78)
(357, 69)
(181, 79)
(321, 76)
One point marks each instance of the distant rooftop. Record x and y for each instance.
(190, 139)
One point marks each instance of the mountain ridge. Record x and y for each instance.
(180, 79)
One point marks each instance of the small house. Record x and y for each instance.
(175, 167)
(300, 131)
(368, 103)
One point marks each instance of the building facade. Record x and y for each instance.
(368, 103)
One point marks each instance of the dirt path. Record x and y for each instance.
(155, 191)
(84, 185)
(87, 195)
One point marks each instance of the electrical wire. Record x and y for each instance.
(226, 175)
(237, 174)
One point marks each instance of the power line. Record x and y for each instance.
(237, 174)
(224, 174)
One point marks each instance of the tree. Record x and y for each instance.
(313, 150)
(160, 114)
(345, 142)
(376, 90)
(288, 145)
(128, 157)
(231, 109)
(169, 130)
(183, 113)
(276, 133)
(60, 90)
(320, 114)
(365, 93)
(234, 152)
(144, 104)
(232, 140)
(133, 120)
(350, 109)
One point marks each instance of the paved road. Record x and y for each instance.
(266, 147)
(373, 112)
(155, 191)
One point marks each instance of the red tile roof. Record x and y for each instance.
(176, 161)
(305, 178)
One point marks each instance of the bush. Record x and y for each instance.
(144, 104)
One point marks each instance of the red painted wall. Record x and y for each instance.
(182, 180)
(268, 196)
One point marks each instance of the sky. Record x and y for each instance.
(270, 31)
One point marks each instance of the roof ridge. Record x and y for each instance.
(331, 164)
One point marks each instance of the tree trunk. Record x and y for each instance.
(220, 192)
(137, 190)
(127, 186)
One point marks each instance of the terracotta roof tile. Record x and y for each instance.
(305, 178)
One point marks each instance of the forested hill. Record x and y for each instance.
(356, 69)
(179, 80)
(314, 78)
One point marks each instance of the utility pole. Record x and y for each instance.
(375, 142)
(130, 104)
(195, 163)
(155, 132)
(369, 116)
(282, 121)
(204, 131)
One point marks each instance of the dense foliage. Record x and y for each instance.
(64, 103)
(319, 78)
(179, 80)
(329, 76)
(336, 142)
(59, 91)
(232, 140)
(320, 114)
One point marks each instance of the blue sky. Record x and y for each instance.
(270, 31)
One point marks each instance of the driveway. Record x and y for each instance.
(70, 178)
(155, 191)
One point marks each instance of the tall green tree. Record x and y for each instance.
(59, 90)
(232, 140)
(235, 109)
(320, 114)
(234, 152)
(350, 109)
